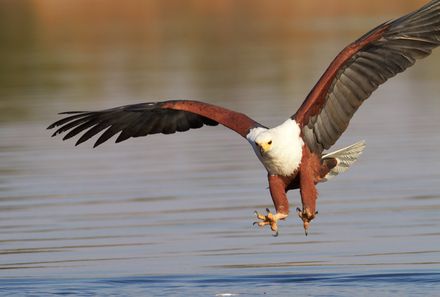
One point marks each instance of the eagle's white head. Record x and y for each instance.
(279, 148)
(264, 141)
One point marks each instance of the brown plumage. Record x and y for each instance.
(293, 151)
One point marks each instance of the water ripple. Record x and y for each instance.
(323, 284)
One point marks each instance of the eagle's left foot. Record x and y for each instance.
(306, 216)
(270, 219)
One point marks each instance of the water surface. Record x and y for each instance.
(172, 215)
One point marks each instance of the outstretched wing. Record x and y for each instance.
(150, 118)
(360, 68)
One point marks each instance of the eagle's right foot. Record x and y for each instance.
(270, 219)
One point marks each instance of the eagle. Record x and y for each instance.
(293, 153)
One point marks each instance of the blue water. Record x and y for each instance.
(172, 215)
(378, 283)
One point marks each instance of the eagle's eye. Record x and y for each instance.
(270, 142)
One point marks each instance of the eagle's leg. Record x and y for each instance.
(277, 188)
(308, 191)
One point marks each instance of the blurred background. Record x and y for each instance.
(183, 204)
(100, 53)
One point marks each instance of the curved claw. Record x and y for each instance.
(275, 234)
(306, 217)
(306, 228)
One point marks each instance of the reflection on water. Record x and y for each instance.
(179, 209)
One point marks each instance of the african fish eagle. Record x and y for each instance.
(292, 152)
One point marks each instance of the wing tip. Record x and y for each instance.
(97, 143)
(72, 112)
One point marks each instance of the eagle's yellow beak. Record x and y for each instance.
(265, 146)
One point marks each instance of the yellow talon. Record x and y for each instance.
(306, 216)
(270, 219)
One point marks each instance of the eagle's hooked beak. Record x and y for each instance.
(264, 147)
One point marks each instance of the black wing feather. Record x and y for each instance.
(405, 40)
(130, 121)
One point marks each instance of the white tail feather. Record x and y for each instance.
(344, 157)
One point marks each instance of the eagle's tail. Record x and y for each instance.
(344, 158)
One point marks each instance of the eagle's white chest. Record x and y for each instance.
(284, 156)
